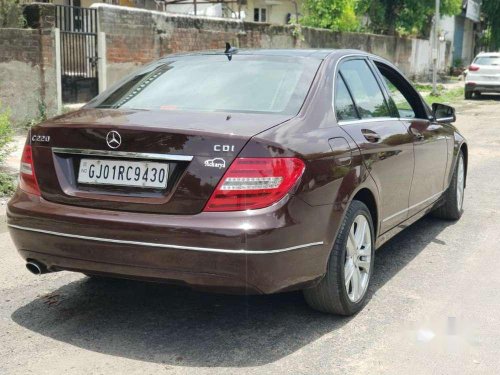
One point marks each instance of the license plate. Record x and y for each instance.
(123, 173)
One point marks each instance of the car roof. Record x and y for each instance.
(317, 53)
(295, 52)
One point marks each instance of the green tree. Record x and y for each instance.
(11, 14)
(491, 12)
(336, 15)
(405, 17)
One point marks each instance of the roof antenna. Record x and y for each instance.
(229, 51)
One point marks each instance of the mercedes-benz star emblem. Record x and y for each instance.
(113, 139)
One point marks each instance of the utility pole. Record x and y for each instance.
(435, 50)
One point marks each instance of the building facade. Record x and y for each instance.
(464, 31)
(279, 12)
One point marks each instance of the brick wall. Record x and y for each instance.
(27, 72)
(19, 44)
(135, 36)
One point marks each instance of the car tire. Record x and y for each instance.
(452, 207)
(468, 95)
(477, 94)
(335, 294)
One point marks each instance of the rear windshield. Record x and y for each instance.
(488, 60)
(255, 84)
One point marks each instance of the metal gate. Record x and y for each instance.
(78, 28)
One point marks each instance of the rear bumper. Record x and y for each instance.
(486, 87)
(279, 248)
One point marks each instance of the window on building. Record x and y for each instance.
(260, 14)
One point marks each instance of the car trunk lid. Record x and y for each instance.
(196, 147)
(484, 73)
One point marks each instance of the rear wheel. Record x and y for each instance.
(454, 196)
(343, 289)
(477, 94)
(468, 94)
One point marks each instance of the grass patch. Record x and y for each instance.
(7, 186)
(446, 96)
(42, 116)
(6, 132)
(427, 86)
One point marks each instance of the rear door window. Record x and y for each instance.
(344, 106)
(368, 97)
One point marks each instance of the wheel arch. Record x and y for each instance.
(366, 196)
(465, 150)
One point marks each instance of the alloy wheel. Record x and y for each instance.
(460, 182)
(358, 259)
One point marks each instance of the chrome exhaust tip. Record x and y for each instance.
(36, 268)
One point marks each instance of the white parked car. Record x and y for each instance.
(483, 75)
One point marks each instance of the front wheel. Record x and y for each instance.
(451, 209)
(344, 287)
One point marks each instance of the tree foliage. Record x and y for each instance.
(491, 11)
(403, 17)
(11, 13)
(336, 15)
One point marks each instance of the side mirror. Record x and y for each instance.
(443, 113)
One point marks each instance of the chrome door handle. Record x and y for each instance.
(417, 134)
(370, 135)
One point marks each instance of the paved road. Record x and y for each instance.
(434, 306)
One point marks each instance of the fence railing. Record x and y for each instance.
(78, 53)
(76, 19)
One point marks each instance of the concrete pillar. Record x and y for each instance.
(57, 43)
(101, 61)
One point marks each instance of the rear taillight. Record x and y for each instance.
(252, 183)
(473, 68)
(27, 177)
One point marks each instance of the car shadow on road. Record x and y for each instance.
(177, 326)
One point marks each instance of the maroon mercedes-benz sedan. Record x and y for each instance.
(251, 171)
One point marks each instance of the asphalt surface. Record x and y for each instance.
(434, 305)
